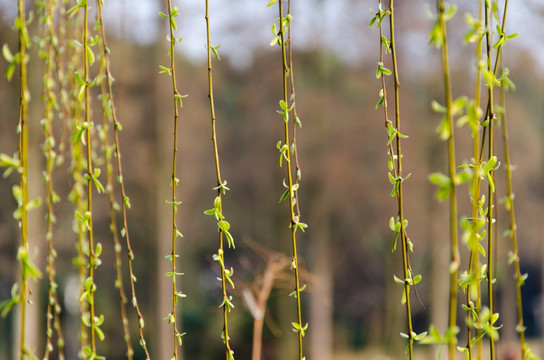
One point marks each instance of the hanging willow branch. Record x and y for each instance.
(173, 12)
(110, 111)
(217, 210)
(50, 104)
(286, 152)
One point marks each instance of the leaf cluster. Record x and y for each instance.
(222, 225)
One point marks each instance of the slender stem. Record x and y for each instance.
(474, 290)
(23, 157)
(220, 190)
(384, 91)
(73, 113)
(513, 228)
(90, 173)
(400, 198)
(53, 305)
(174, 180)
(510, 201)
(125, 201)
(80, 205)
(455, 258)
(296, 122)
(490, 220)
(107, 108)
(503, 28)
(294, 219)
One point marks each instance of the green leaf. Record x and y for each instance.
(81, 92)
(165, 70)
(98, 250)
(439, 179)
(73, 10)
(382, 70)
(420, 336)
(373, 20)
(90, 55)
(29, 268)
(380, 102)
(462, 177)
(458, 105)
(99, 333)
(7, 305)
(386, 43)
(437, 107)
(7, 53)
(283, 105)
(392, 223)
(179, 98)
(10, 163)
(275, 40)
(223, 225)
(521, 280)
(10, 70)
(230, 239)
(294, 292)
(449, 11)
(490, 78)
(403, 298)
(398, 281)
(284, 195)
(512, 36)
(298, 329)
(444, 183)
(394, 246)
(214, 49)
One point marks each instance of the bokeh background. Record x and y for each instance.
(351, 303)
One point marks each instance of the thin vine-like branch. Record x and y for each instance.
(473, 292)
(394, 163)
(285, 149)
(297, 122)
(217, 211)
(509, 201)
(89, 176)
(512, 232)
(490, 119)
(109, 108)
(23, 157)
(454, 241)
(77, 193)
(406, 245)
(174, 181)
(53, 311)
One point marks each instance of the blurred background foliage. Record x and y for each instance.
(351, 302)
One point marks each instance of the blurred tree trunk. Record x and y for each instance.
(319, 253)
(439, 251)
(320, 294)
(507, 302)
(440, 255)
(37, 244)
